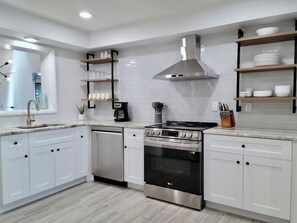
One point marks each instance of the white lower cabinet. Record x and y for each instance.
(42, 172)
(82, 151)
(223, 178)
(53, 163)
(36, 162)
(253, 178)
(267, 186)
(64, 163)
(134, 156)
(14, 168)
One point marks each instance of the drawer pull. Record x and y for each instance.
(58, 150)
(26, 156)
(15, 143)
(134, 135)
(81, 136)
(247, 163)
(125, 147)
(238, 162)
(169, 183)
(52, 150)
(243, 146)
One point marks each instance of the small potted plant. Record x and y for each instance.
(81, 112)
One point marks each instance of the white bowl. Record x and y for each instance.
(262, 93)
(242, 94)
(282, 88)
(267, 31)
(282, 94)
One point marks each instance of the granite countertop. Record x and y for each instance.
(15, 130)
(254, 133)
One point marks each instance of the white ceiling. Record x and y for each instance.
(107, 13)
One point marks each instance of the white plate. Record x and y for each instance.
(262, 93)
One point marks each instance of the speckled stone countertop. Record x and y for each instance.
(15, 130)
(254, 133)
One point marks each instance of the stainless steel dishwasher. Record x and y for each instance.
(108, 153)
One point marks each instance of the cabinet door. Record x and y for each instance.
(134, 156)
(64, 162)
(14, 168)
(223, 177)
(267, 186)
(82, 151)
(41, 169)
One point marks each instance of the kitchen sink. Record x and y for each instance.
(37, 126)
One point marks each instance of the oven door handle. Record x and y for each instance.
(170, 145)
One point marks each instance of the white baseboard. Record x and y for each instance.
(135, 186)
(245, 213)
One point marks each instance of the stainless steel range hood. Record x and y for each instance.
(189, 68)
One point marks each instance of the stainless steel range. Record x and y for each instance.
(173, 162)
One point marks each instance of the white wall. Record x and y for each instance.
(69, 74)
(191, 100)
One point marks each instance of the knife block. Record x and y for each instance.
(227, 119)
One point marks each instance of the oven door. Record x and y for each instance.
(175, 168)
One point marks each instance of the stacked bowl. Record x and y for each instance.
(265, 59)
(282, 90)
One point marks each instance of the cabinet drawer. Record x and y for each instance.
(277, 149)
(227, 144)
(14, 143)
(268, 148)
(51, 137)
(133, 137)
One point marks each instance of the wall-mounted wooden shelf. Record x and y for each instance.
(99, 60)
(100, 100)
(276, 37)
(99, 80)
(266, 68)
(265, 98)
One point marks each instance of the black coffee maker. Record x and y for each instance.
(121, 112)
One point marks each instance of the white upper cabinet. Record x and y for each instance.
(14, 168)
(134, 156)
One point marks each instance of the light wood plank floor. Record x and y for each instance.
(97, 202)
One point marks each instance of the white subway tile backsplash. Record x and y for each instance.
(191, 100)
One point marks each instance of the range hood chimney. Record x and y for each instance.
(189, 68)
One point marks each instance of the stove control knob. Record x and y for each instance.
(189, 135)
(152, 132)
(158, 132)
(195, 135)
(148, 131)
(182, 134)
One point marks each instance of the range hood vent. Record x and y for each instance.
(189, 68)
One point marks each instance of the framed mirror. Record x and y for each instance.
(27, 71)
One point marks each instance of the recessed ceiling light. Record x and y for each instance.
(30, 39)
(85, 15)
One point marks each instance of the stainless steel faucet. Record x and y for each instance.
(29, 120)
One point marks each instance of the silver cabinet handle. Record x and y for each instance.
(169, 184)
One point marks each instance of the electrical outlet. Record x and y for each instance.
(215, 106)
(248, 107)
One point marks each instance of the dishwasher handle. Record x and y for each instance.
(106, 132)
(107, 129)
